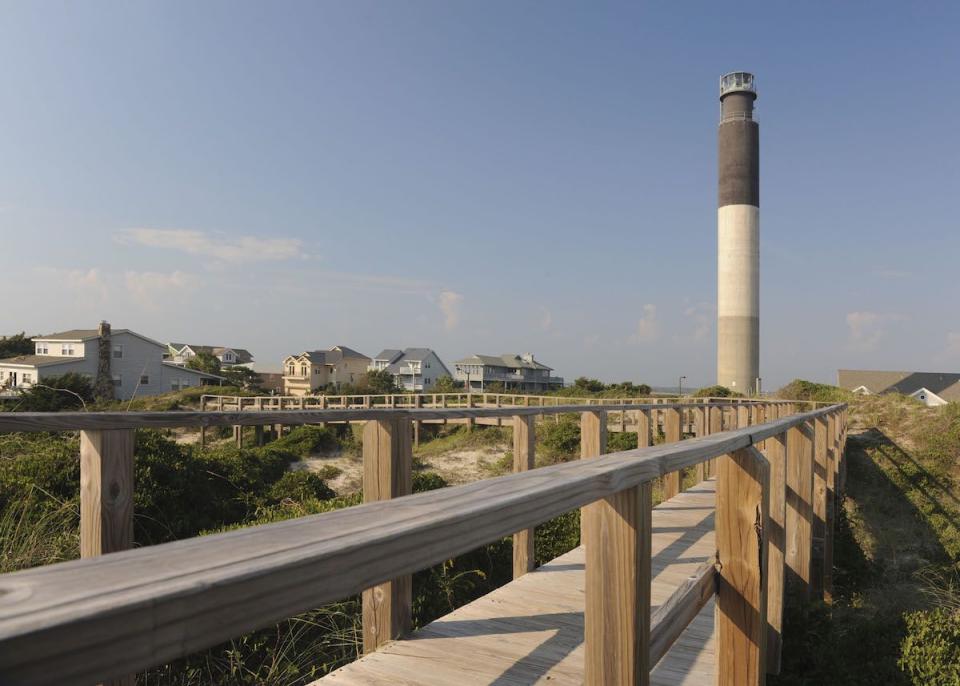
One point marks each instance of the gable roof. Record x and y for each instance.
(508, 360)
(243, 355)
(39, 360)
(332, 356)
(398, 358)
(906, 383)
(70, 335)
(389, 354)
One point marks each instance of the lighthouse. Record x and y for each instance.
(738, 236)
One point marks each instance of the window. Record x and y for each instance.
(27, 378)
(290, 370)
(117, 351)
(175, 385)
(303, 370)
(144, 379)
(43, 349)
(66, 349)
(228, 357)
(117, 380)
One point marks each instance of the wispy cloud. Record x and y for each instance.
(648, 328)
(151, 288)
(222, 246)
(449, 303)
(886, 273)
(865, 330)
(701, 315)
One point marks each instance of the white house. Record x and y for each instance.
(180, 353)
(134, 362)
(413, 369)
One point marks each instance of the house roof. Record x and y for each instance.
(943, 384)
(243, 355)
(398, 357)
(509, 360)
(389, 354)
(39, 360)
(331, 356)
(71, 335)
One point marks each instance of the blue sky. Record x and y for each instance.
(481, 178)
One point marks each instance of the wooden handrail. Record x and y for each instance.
(131, 610)
(94, 421)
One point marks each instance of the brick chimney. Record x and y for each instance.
(103, 387)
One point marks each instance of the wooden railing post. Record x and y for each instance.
(616, 533)
(701, 428)
(387, 474)
(741, 531)
(831, 507)
(106, 498)
(524, 447)
(643, 429)
(819, 531)
(799, 516)
(672, 482)
(715, 422)
(775, 450)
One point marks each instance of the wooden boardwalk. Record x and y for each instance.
(531, 630)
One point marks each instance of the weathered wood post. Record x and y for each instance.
(238, 436)
(387, 474)
(742, 509)
(799, 515)
(819, 531)
(203, 429)
(417, 403)
(775, 450)
(831, 507)
(643, 429)
(524, 453)
(743, 416)
(106, 498)
(470, 420)
(617, 537)
(701, 428)
(672, 482)
(716, 426)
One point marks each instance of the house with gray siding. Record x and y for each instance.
(413, 369)
(133, 363)
(180, 353)
(516, 372)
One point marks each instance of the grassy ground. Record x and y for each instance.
(897, 532)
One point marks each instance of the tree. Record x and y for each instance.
(242, 377)
(18, 344)
(70, 391)
(590, 385)
(204, 362)
(378, 381)
(446, 384)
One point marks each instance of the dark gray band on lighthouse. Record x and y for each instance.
(739, 161)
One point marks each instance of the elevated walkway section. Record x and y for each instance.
(530, 631)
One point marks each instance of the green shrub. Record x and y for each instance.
(307, 440)
(560, 439)
(930, 652)
(717, 392)
(799, 389)
(70, 391)
(300, 485)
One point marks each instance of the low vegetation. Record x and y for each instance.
(895, 615)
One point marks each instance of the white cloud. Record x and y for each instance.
(865, 330)
(648, 328)
(152, 288)
(236, 250)
(449, 303)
